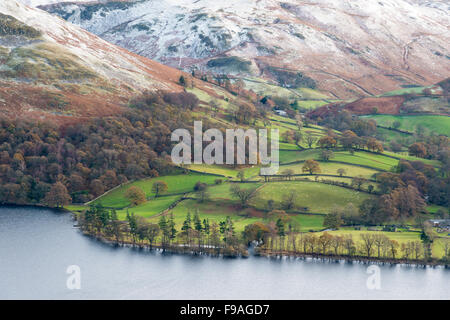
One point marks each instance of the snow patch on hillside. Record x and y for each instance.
(109, 61)
(351, 48)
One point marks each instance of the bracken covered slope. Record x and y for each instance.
(432, 100)
(350, 48)
(51, 69)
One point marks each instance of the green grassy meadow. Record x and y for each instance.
(331, 169)
(176, 184)
(433, 123)
(316, 197)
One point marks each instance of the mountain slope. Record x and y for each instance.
(348, 48)
(430, 100)
(50, 68)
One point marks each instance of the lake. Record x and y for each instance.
(38, 245)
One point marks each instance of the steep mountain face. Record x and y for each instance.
(51, 69)
(349, 48)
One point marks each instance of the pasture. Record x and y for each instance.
(432, 123)
(316, 197)
(176, 184)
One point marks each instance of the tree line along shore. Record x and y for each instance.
(278, 238)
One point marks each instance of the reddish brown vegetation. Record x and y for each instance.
(385, 105)
(382, 105)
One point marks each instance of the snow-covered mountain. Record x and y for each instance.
(349, 47)
(35, 3)
(51, 68)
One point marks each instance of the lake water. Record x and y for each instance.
(38, 245)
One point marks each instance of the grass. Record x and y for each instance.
(404, 91)
(331, 168)
(205, 97)
(288, 146)
(225, 171)
(285, 124)
(400, 237)
(311, 104)
(75, 208)
(317, 197)
(150, 208)
(307, 222)
(435, 208)
(375, 161)
(262, 87)
(223, 191)
(321, 178)
(221, 170)
(434, 123)
(213, 211)
(405, 156)
(390, 135)
(311, 94)
(362, 158)
(292, 156)
(438, 247)
(282, 119)
(176, 184)
(218, 211)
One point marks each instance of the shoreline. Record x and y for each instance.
(357, 259)
(257, 252)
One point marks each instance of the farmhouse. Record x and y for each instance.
(280, 112)
(441, 223)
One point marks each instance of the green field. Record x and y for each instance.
(323, 179)
(225, 171)
(311, 94)
(176, 184)
(401, 237)
(438, 247)
(292, 156)
(219, 211)
(308, 223)
(434, 123)
(375, 161)
(389, 135)
(288, 146)
(262, 87)
(311, 104)
(405, 156)
(366, 159)
(150, 208)
(223, 191)
(206, 98)
(214, 211)
(331, 168)
(404, 91)
(436, 208)
(317, 197)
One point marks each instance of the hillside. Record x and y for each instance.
(377, 46)
(54, 70)
(416, 100)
